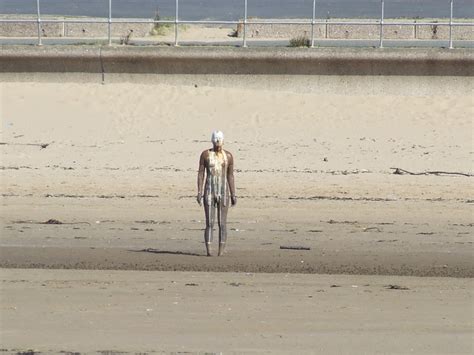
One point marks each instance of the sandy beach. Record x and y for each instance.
(116, 164)
(174, 312)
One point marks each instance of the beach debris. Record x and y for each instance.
(372, 229)
(41, 145)
(348, 172)
(49, 221)
(294, 247)
(191, 284)
(28, 352)
(283, 230)
(396, 287)
(341, 198)
(147, 221)
(332, 221)
(110, 196)
(325, 159)
(149, 229)
(15, 168)
(53, 221)
(235, 284)
(335, 285)
(399, 171)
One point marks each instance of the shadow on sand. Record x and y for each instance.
(156, 251)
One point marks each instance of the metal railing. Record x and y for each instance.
(244, 22)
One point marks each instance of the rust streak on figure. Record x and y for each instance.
(215, 188)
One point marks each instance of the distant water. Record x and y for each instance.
(233, 9)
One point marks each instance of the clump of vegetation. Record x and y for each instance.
(159, 29)
(300, 41)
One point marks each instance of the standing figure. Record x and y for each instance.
(216, 168)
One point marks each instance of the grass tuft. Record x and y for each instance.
(159, 29)
(300, 41)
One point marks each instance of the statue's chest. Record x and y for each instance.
(217, 162)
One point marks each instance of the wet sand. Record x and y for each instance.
(416, 238)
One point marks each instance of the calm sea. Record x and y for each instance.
(233, 9)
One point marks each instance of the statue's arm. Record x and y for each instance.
(200, 178)
(230, 177)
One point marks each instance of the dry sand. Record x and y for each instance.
(313, 163)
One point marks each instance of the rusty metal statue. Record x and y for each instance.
(216, 168)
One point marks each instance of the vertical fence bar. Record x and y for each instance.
(451, 26)
(244, 34)
(176, 21)
(38, 22)
(382, 15)
(109, 34)
(312, 23)
(326, 29)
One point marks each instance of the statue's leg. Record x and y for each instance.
(222, 220)
(210, 211)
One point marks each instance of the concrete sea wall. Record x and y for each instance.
(222, 60)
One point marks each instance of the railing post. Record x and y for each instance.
(39, 22)
(244, 34)
(312, 23)
(381, 23)
(176, 22)
(326, 30)
(451, 26)
(110, 23)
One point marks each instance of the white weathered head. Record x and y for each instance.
(217, 138)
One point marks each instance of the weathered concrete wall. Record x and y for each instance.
(331, 31)
(212, 60)
(81, 30)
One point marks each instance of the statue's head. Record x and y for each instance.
(217, 139)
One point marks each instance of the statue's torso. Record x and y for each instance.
(216, 179)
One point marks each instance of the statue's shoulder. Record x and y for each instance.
(205, 154)
(229, 154)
